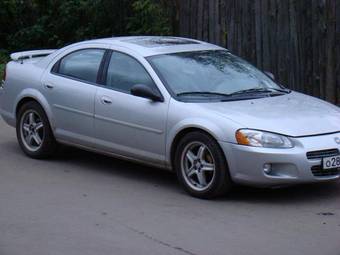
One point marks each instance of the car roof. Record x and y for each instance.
(156, 45)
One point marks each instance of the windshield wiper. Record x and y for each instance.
(202, 93)
(247, 93)
(259, 90)
(283, 90)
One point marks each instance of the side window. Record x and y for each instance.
(82, 64)
(125, 71)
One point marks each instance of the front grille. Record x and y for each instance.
(322, 154)
(318, 171)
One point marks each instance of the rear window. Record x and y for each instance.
(83, 64)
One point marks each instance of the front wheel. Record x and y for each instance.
(201, 166)
(34, 133)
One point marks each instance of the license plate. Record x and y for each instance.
(331, 162)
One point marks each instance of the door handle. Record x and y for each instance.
(106, 100)
(49, 86)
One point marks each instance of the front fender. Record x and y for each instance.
(210, 127)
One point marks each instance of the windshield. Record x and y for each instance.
(212, 72)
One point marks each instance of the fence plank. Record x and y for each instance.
(297, 40)
(337, 50)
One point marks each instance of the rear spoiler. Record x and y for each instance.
(30, 54)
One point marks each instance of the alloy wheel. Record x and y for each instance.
(198, 166)
(32, 130)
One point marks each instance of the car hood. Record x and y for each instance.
(294, 114)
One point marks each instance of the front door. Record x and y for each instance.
(125, 124)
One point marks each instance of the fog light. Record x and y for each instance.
(267, 168)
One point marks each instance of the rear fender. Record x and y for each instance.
(37, 96)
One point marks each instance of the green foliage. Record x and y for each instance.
(149, 18)
(2, 68)
(3, 60)
(35, 24)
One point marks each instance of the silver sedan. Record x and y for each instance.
(175, 103)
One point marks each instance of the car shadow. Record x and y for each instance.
(304, 193)
(168, 180)
(89, 161)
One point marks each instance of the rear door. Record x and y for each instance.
(70, 88)
(125, 124)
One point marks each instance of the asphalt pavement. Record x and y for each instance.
(81, 203)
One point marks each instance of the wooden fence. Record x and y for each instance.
(297, 40)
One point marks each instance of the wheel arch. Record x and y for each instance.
(176, 138)
(30, 95)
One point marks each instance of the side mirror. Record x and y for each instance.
(141, 90)
(270, 75)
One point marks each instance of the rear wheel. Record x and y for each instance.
(201, 166)
(34, 133)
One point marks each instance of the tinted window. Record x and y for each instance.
(124, 72)
(82, 64)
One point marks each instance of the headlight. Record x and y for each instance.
(262, 139)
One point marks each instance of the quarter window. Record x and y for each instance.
(82, 64)
(124, 72)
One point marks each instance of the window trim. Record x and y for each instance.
(106, 67)
(102, 71)
(103, 68)
(56, 66)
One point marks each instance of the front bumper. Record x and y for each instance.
(289, 166)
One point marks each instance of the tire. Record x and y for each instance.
(198, 164)
(34, 134)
